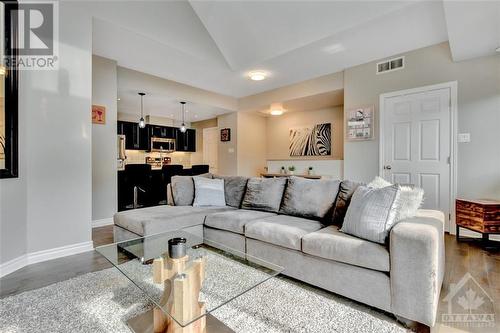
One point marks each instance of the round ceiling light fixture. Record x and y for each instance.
(276, 109)
(257, 75)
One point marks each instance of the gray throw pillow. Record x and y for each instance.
(234, 189)
(346, 190)
(208, 192)
(309, 198)
(264, 194)
(372, 213)
(183, 189)
(410, 199)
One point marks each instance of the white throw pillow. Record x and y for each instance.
(372, 213)
(410, 199)
(208, 192)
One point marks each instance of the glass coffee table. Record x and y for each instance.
(185, 281)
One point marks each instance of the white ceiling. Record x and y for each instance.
(212, 45)
(163, 98)
(473, 28)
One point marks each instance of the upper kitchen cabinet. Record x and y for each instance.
(162, 132)
(185, 141)
(136, 138)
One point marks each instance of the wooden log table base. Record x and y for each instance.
(182, 283)
(482, 216)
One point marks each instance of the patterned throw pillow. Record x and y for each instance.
(372, 213)
(410, 200)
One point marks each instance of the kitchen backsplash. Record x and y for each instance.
(139, 157)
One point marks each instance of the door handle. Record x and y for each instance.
(387, 167)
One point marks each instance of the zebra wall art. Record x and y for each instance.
(311, 141)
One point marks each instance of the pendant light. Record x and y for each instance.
(142, 123)
(183, 126)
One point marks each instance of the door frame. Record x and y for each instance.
(453, 88)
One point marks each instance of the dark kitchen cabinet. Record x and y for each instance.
(136, 138)
(161, 132)
(185, 141)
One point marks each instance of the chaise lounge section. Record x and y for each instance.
(403, 276)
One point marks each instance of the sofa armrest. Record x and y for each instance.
(417, 266)
(170, 195)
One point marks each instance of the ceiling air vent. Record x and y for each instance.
(390, 65)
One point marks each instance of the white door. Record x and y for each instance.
(416, 143)
(210, 146)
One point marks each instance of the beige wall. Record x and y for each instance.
(252, 144)
(478, 113)
(197, 157)
(227, 163)
(278, 132)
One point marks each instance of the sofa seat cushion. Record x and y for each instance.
(330, 243)
(153, 220)
(282, 230)
(234, 220)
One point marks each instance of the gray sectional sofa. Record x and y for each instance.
(403, 276)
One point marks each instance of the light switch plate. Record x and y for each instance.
(230, 150)
(464, 137)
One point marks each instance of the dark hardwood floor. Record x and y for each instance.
(461, 257)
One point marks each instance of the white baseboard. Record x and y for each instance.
(13, 265)
(39, 256)
(102, 222)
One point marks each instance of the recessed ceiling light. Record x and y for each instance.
(257, 75)
(276, 109)
(118, 99)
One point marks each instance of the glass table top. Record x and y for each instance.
(210, 274)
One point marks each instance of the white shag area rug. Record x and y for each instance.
(103, 301)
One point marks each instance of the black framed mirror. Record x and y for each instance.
(9, 155)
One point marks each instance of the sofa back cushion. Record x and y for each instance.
(264, 194)
(183, 189)
(346, 190)
(234, 189)
(309, 198)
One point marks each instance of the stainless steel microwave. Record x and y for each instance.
(162, 145)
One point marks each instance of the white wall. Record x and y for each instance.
(104, 147)
(478, 113)
(57, 105)
(326, 168)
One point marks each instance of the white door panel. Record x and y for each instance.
(210, 148)
(416, 144)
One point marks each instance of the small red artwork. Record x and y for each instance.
(98, 114)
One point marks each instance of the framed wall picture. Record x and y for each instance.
(9, 163)
(313, 140)
(359, 123)
(225, 134)
(98, 114)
